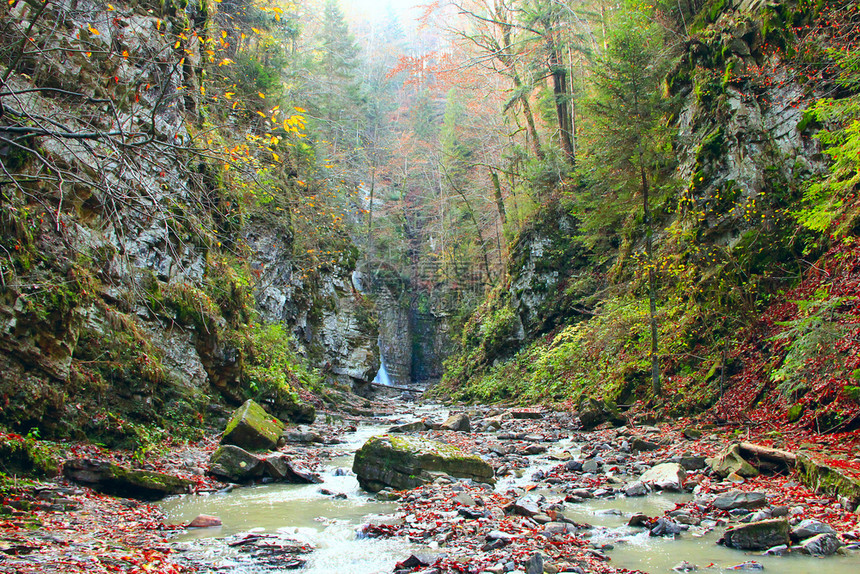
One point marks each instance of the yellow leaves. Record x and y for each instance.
(225, 62)
(274, 140)
(262, 95)
(88, 54)
(125, 54)
(223, 33)
(259, 113)
(294, 124)
(276, 157)
(177, 44)
(229, 95)
(256, 31)
(235, 104)
(93, 31)
(110, 8)
(158, 24)
(300, 110)
(203, 90)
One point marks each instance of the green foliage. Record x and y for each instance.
(273, 370)
(816, 328)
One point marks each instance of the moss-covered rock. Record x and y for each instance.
(827, 479)
(111, 478)
(403, 462)
(252, 428)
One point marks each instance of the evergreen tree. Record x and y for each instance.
(627, 138)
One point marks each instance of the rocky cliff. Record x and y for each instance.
(141, 281)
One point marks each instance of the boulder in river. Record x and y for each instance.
(403, 462)
(823, 544)
(730, 461)
(459, 422)
(758, 535)
(111, 478)
(665, 476)
(416, 426)
(252, 428)
(234, 464)
(810, 527)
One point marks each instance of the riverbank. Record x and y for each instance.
(564, 501)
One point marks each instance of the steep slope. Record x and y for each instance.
(144, 281)
(732, 234)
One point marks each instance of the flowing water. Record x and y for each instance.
(331, 525)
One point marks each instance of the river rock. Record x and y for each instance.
(110, 478)
(758, 535)
(416, 426)
(823, 544)
(523, 507)
(665, 476)
(594, 412)
(639, 520)
(301, 437)
(234, 464)
(640, 445)
(281, 468)
(739, 499)
(810, 527)
(204, 521)
(526, 414)
(535, 564)
(459, 422)
(667, 527)
(252, 428)
(684, 566)
(636, 488)
(730, 461)
(404, 462)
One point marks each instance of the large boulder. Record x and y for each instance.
(403, 462)
(234, 464)
(759, 535)
(111, 478)
(594, 412)
(810, 527)
(665, 476)
(730, 461)
(252, 428)
(739, 499)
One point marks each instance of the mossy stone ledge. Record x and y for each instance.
(110, 478)
(404, 462)
(252, 428)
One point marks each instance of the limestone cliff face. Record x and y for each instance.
(131, 284)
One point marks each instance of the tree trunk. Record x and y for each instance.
(656, 385)
(562, 102)
(497, 193)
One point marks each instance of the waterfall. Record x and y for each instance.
(381, 377)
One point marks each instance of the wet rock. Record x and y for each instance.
(824, 478)
(235, 464)
(416, 561)
(810, 527)
(204, 521)
(684, 566)
(758, 535)
(823, 544)
(533, 449)
(573, 466)
(417, 426)
(636, 488)
(640, 445)
(692, 433)
(459, 422)
(665, 476)
(404, 462)
(690, 462)
(748, 566)
(730, 461)
(111, 478)
(281, 468)
(739, 499)
(666, 527)
(252, 428)
(639, 520)
(591, 466)
(780, 550)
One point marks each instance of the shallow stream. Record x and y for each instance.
(331, 525)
